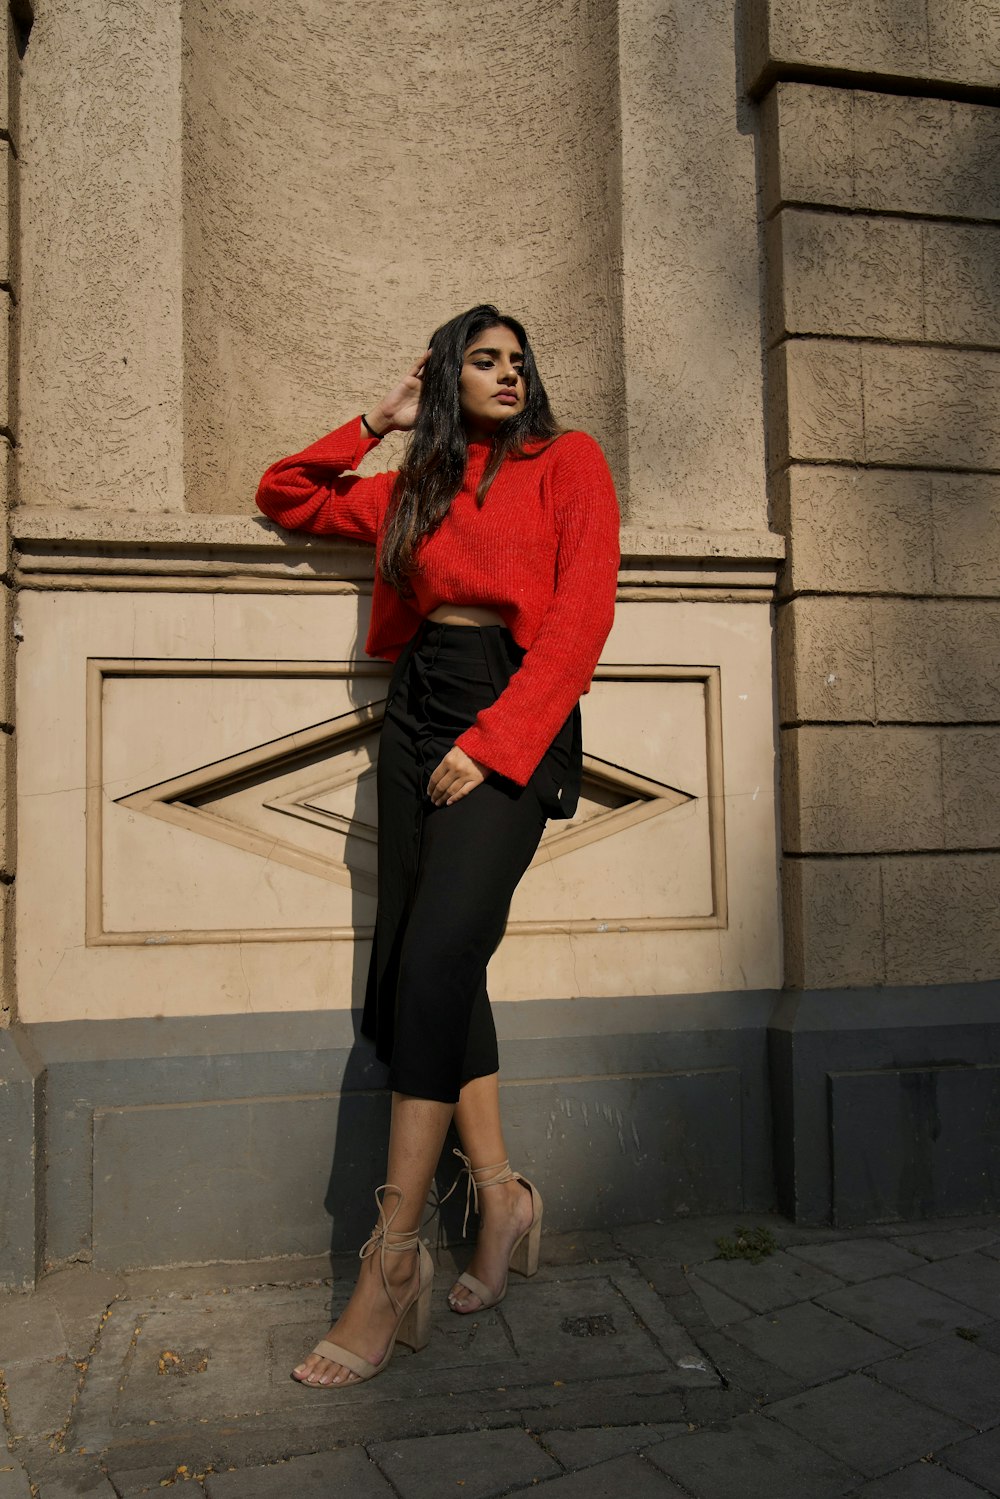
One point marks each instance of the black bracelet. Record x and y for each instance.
(378, 436)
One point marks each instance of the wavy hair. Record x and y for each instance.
(434, 466)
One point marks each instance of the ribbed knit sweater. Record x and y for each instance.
(542, 550)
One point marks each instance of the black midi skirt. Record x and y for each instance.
(446, 875)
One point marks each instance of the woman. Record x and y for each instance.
(496, 561)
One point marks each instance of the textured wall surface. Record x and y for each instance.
(883, 244)
(691, 269)
(928, 41)
(243, 221)
(199, 837)
(10, 285)
(348, 185)
(101, 242)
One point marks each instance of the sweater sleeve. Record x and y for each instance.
(512, 735)
(313, 490)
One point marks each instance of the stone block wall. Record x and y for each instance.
(16, 20)
(882, 277)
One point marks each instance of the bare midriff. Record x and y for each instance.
(464, 614)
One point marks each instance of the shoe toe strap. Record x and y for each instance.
(484, 1293)
(353, 1361)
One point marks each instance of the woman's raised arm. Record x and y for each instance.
(316, 490)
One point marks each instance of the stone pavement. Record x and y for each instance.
(637, 1363)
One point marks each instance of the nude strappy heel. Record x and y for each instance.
(413, 1322)
(524, 1251)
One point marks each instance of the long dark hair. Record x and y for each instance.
(434, 466)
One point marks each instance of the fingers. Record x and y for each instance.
(417, 372)
(454, 778)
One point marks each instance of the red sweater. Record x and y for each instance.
(542, 550)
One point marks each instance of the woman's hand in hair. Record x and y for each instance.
(455, 777)
(397, 411)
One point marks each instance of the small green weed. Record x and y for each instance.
(753, 1244)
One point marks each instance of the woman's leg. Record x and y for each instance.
(416, 1137)
(504, 1210)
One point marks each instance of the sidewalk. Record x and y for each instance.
(636, 1365)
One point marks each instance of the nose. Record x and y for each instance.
(509, 375)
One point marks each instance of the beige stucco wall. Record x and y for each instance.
(197, 815)
(242, 221)
(10, 285)
(239, 223)
(883, 264)
(100, 373)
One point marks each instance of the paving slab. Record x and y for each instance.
(942, 1244)
(985, 1337)
(780, 1280)
(80, 1297)
(750, 1379)
(971, 1278)
(613, 1480)
(347, 1473)
(719, 1309)
(899, 1308)
(30, 1330)
(684, 1241)
(597, 1444)
(614, 1353)
(220, 1279)
(809, 1343)
(751, 1458)
(872, 1428)
(578, 1247)
(710, 1407)
(957, 1377)
(71, 1477)
(481, 1464)
(581, 1329)
(680, 1351)
(977, 1458)
(40, 1397)
(919, 1481)
(13, 1480)
(649, 1400)
(672, 1284)
(132, 1483)
(857, 1259)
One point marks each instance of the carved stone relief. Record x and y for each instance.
(305, 798)
(197, 811)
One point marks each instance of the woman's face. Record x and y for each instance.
(491, 385)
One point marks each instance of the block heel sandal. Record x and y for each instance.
(523, 1258)
(413, 1322)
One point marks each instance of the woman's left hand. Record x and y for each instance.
(455, 777)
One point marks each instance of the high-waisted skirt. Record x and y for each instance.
(446, 875)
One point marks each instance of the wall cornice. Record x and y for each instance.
(123, 550)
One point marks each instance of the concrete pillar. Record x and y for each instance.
(882, 215)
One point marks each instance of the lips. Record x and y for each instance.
(507, 397)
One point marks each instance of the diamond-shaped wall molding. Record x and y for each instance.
(307, 800)
(234, 800)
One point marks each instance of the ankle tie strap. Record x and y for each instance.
(495, 1176)
(384, 1237)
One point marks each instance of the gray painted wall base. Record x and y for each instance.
(886, 1103)
(166, 1142)
(21, 1160)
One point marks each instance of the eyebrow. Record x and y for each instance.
(495, 353)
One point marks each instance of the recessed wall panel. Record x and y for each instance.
(349, 185)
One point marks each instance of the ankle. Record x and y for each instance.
(500, 1201)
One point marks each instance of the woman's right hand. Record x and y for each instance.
(397, 411)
